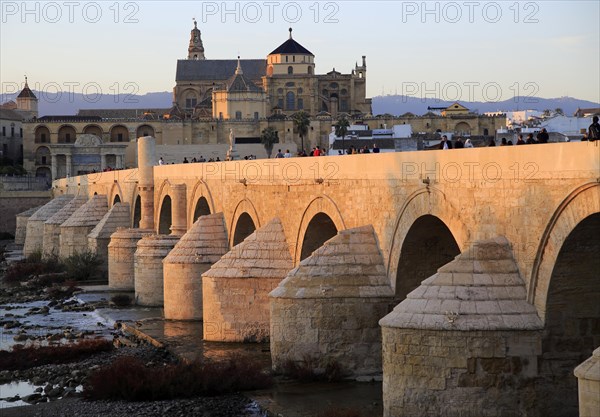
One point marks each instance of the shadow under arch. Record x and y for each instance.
(136, 213)
(114, 194)
(579, 204)
(322, 204)
(246, 207)
(572, 318)
(428, 201)
(165, 216)
(199, 191)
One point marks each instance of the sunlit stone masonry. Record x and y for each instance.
(99, 237)
(328, 307)
(21, 229)
(148, 268)
(194, 254)
(52, 225)
(235, 290)
(74, 231)
(121, 251)
(466, 342)
(34, 238)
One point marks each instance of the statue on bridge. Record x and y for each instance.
(232, 154)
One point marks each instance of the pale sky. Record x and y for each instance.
(463, 50)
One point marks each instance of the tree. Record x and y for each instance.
(559, 111)
(301, 122)
(268, 137)
(546, 113)
(341, 129)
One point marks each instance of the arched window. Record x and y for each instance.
(290, 70)
(290, 101)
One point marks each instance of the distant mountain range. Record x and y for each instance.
(69, 104)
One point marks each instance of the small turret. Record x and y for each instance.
(27, 102)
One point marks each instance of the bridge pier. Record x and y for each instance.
(148, 268)
(328, 307)
(51, 237)
(194, 254)
(121, 251)
(21, 229)
(235, 289)
(74, 231)
(34, 237)
(99, 237)
(466, 342)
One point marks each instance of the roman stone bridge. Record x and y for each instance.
(489, 255)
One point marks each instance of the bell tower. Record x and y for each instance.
(195, 50)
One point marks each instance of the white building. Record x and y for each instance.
(567, 125)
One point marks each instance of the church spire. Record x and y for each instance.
(196, 49)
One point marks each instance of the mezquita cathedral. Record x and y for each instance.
(214, 97)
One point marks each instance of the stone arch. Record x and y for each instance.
(117, 130)
(42, 156)
(427, 201)
(322, 204)
(581, 203)
(199, 191)
(42, 134)
(115, 192)
(136, 211)
(319, 230)
(244, 227)
(462, 128)
(165, 216)
(572, 317)
(93, 130)
(243, 207)
(164, 190)
(67, 134)
(144, 130)
(427, 246)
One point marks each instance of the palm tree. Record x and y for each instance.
(341, 128)
(269, 137)
(301, 122)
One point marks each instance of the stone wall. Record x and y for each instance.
(471, 374)
(15, 202)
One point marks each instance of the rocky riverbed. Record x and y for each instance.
(33, 313)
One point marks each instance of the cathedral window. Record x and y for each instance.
(290, 70)
(190, 103)
(300, 104)
(255, 115)
(290, 99)
(238, 115)
(280, 103)
(344, 104)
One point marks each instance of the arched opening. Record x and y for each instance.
(202, 208)
(93, 130)
(119, 134)
(486, 132)
(137, 212)
(145, 130)
(572, 317)
(66, 134)
(462, 128)
(245, 227)
(165, 219)
(42, 156)
(428, 245)
(42, 134)
(116, 200)
(319, 230)
(290, 70)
